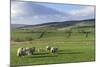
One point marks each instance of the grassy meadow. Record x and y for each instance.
(73, 47)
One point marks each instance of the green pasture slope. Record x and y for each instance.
(74, 48)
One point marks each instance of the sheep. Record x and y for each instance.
(40, 50)
(21, 52)
(48, 48)
(30, 51)
(54, 50)
(25, 51)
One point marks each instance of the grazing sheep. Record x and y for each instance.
(48, 48)
(21, 52)
(40, 49)
(54, 50)
(30, 51)
(25, 51)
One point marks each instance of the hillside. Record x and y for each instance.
(13, 26)
(56, 25)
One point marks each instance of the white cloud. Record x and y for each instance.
(29, 13)
(86, 11)
(16, 8)
(36, 17)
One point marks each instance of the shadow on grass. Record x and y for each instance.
(41, 55)
(69, 52)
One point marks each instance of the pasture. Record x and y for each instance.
(74, 48)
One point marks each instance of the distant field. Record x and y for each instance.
(74, 48)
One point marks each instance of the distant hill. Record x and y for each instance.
(55, 24)
(17, 25)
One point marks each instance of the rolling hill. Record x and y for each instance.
(56, 25)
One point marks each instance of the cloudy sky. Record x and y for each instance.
(37, 13)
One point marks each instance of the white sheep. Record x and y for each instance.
(21, 52)
(54, 50)
(40, 50)
(25, 51)
(32, 50)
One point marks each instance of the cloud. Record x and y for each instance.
(88, 11)
(35, 13)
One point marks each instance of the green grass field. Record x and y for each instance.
(76, 48)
